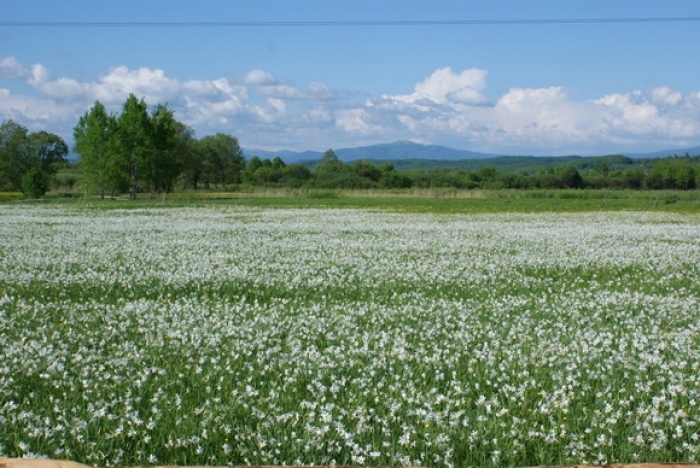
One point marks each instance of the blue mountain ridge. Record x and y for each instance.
(401, 150)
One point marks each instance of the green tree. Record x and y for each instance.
(21, 152)
(222, 159)
(50, 150)
(135, 141)
(277, 163)
(488, 174)
(672, 173)
(391, 178)
(568, 177)
(192, 157)
(96, 139)
(367, 169)
(633, 178)
(16, 157)
(329, 162)
(250, 168)
(165, 163)
(35, 183)
(295, 175)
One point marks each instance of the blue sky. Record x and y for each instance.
(540, 89)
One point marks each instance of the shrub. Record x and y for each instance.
(35, 183)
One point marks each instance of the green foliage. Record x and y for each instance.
(138, 151)
(222, 160)
(190, 157)
(35, 183)
(67, 178)
(569, 177)
(50, 149)
(608, 172)
(15, 155)
(367, 170)
(135, 141)
(164, 165)
(329, 163)
(22, 153)
(672, 173)
(96, 141)
(392, 179)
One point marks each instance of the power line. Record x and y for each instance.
(403, 23)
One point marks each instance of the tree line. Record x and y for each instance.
(677, 173)
(137, 151)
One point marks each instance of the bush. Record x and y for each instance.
(35, 183)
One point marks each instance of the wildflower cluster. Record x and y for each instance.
(226, 335)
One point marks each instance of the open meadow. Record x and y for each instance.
(230, 333)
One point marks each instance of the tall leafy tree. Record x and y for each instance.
(96, 142)
(165, 162)
(192, 158)
(135, 141)
(22, 152)
(251, 167)
(223, 160)
(16, 157)
(50, 150)
(329, 161)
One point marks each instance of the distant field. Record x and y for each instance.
(413, 200)
(269, 330)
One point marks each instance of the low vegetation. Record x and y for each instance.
(228, 333)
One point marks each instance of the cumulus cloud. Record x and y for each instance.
(278, 104)
(259, 77)
(517, 97)
(445, 86)
(209, 104)
(11, 69)
(450, 108)
(446, 107)
(313, 92)
(34, 112)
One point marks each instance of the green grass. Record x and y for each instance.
(437, 201)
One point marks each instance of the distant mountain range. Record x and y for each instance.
(403, 150)
(694, 151)
(396, 151)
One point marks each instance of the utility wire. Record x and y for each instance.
(404, 23)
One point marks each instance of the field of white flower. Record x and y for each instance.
(227, 335)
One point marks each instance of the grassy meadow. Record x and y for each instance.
(330, 328)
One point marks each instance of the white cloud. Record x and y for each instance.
(447, 107)
(35, 113)
(541, 120)
(11, 69)
(355, 121)
(278, 104)
(313, 92)
(259, 77)
(665, 96)
(519, 97)
(445, 86)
